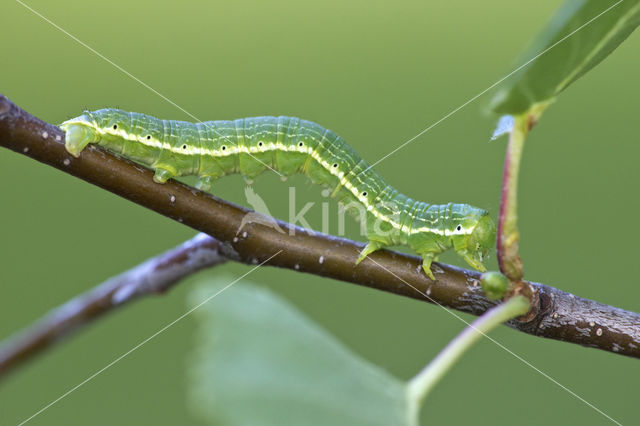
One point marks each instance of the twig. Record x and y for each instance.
(554, 314)
(156, 275)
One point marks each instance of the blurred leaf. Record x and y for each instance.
(605, 24)
(261, 362)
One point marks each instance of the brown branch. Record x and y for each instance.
(155, 276)
(555, 314)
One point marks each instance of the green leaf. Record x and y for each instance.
(260, 362)
(580, 35)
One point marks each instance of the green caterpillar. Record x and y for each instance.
(290, 145)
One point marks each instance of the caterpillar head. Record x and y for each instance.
(79, 132)
(475, 246)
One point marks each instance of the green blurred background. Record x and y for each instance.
(377, 73)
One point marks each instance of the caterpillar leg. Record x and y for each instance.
(162, 175)
(474, 260)
(369, 248)
(204, 183)
(427, 258)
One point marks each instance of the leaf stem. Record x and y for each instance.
(420, 386)
(508, 235)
